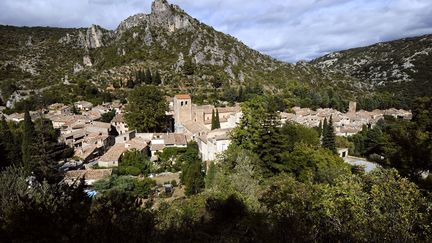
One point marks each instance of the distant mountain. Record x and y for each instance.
(402, 66)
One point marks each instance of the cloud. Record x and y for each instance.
(289, 30)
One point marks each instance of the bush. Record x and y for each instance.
(129, 170)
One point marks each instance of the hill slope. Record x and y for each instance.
(402, 66)
(167, 39)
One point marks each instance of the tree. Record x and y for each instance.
(258, 131)
(319, 129)
(329, 137)
(156, 80)
(293, 134)
(134, 163)
(148, 77)
(27, 140)
(210, 175)
(240, 96)
(213, 120)
(189, 67)
(324, 128)
(192, 176)
(146, 109)
(130, 84)
(217, 120)
(8, 153)
(107, 117)
(194, 180)
(308, 163)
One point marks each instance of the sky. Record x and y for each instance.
(289, 30)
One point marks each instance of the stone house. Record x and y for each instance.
(83, 105)
(120, 125)
(214, 143)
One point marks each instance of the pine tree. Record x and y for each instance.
(148, 77)
(27, 140)
(217, 120)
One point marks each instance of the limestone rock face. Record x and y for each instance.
(94, 37)
(163, 15)
(87, 61)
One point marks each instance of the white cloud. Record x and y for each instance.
(290, 30)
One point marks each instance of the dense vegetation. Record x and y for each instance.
(296, 191)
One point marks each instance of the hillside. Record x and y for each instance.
(191, 56)
(401, 66)
(186, 52)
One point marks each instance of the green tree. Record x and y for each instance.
(329, 137)
(148, 77)
(319, 129)
(28, 135)
(194, 180)
(8, 155)
(192, 176)
(146, 109)
(308, 163)
(156, 80)
(217, 120)
(213, 120)
(293, 134)
(107, 117)
(210, 175)
(189, 67)
(134, 163)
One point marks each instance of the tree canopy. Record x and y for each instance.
(146, 109)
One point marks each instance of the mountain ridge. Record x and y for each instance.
(189, 55)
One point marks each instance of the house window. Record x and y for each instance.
(185, 102)
(181, 103)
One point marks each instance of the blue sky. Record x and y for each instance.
(289, 30)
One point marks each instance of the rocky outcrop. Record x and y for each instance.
(163, 15)
(87, 61)
(94, 37)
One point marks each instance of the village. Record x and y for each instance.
(99, 146)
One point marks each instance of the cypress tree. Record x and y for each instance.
(130, 84)
(320, 128)
(8, 155)
(27, 140)
(240, 94)
(148, 77)
(324, 127)
(217, 120)
(329, 137)
(210, 175)
(157, 79)
(213, 120)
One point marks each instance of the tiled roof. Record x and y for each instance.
(88, 174)
(194, 127)
(118, 118)
(182, 97)
(114, 153)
